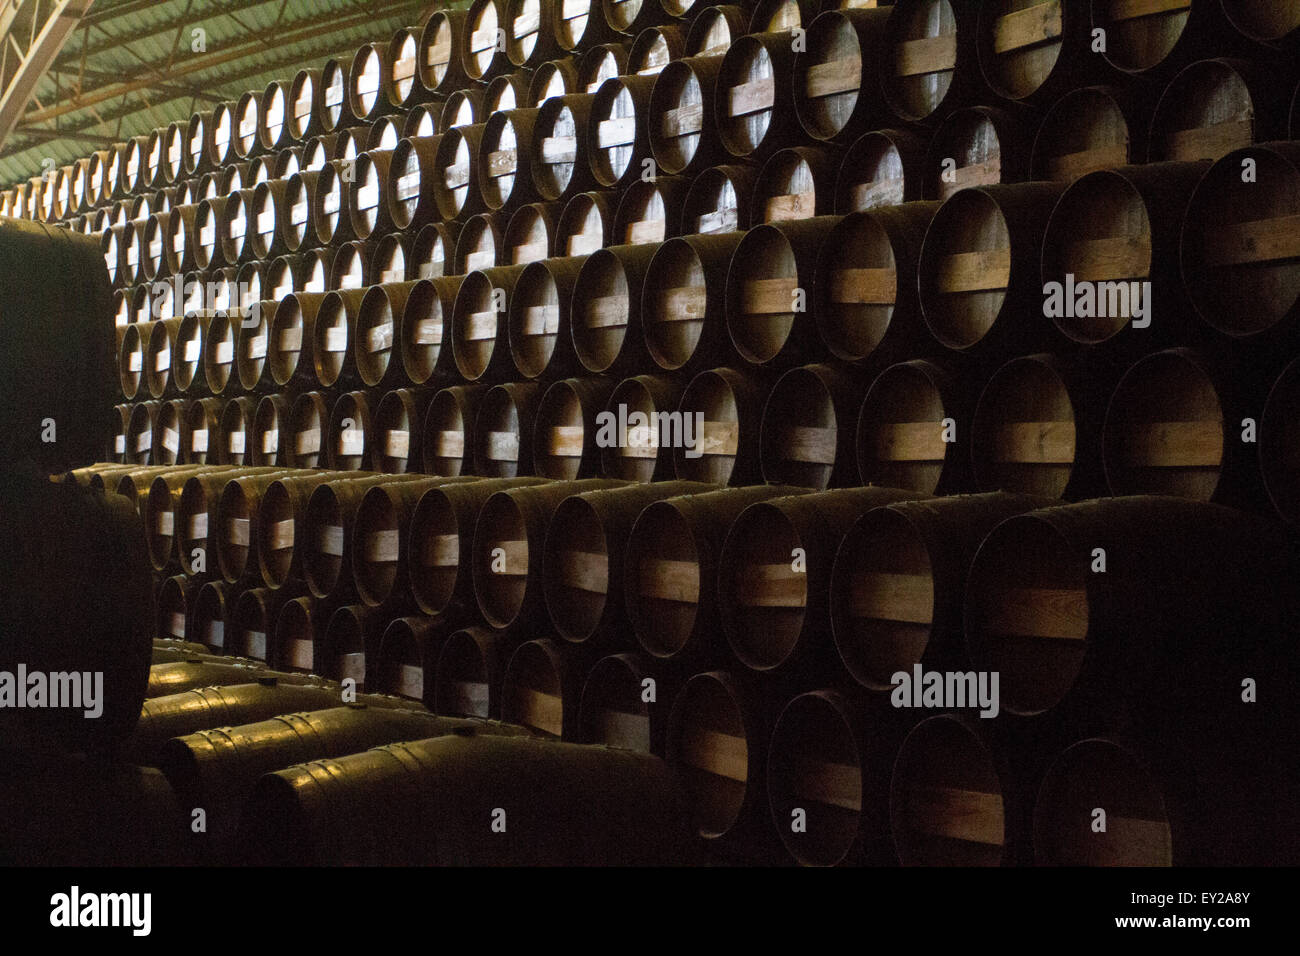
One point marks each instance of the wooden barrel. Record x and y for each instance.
(606, 309)
(912, 415)
(380, 556)
(976, 273)
(158, 351)
(712, 28)
(618, 130)
(1157, 40)
(298, 227)
(423, 121)
(649, 211)
(725, 408)
(219, 769)
(540, 689)
(153, 246)
(774, 574)
(1039, 610)
(352, 268)
(754, 111)
(236, 521)
(671, 562)
(1278, 439)
(718, 735)
(252, 631)
(179, 238)
(1264, 22)
(308, 421)
(554, 78)
(329, 202)
(441, 67)
(367, 201)
(806, 439)
(1091, 128)
(464, 107)
(291, 348)
(376, 332)
(1036, 429)
(408, 654)
(244, 125)
(479, 336)
(1213, 107)
(795, 183)
(1241, 273)
(447, 427)
(485, 40)
(334, 335)
(130, 360)
(175, 595)
(203, 425)
(508, 549)
(392, 252)
(424, 327)
(635, 453)
(976, 146)
(1119, 229)
(159, 513)
(1174, 427)
(504, 159)
(457, 182)
(197, 502)
(539, 317)
(412, 168)
(954, 798)
(681, 322)
(480, 244)
(654, 48)
(440, 543)
(502, 441)
(581, 25)
(281, 511)
(402, 86)
(929, 59)
(586, 224)
(898, 580)
(865, 283)
(561, 140)
(565, 431)
(583, 559)
(398, 427)
(769, 283)
(600, 63)
(719, 200)
(828, 764)
(1032, 51)
(177, 715)
(274, 130)
(369, 78)
(530, 233)
(350, 443)
(467, 680)
(270, 431)
(530, 32)
(614, 833)
(837, 82)
(615, 711)
(630, 17)
(351, 647)
(327, 530)
(172, 438)
(285, 275)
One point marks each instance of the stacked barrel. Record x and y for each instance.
(972, 331)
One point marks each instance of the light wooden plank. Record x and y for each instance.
(720, 220)
(1036, 443)
(669, 580)
(808, 444)
(382, 547)
(1209, 142)
(772, 585)
(502, 162)
(481, 326)
(237, 532)
(456, 176)
(864, 286)
(969, 815)
(1070, 166)
(828, 783)
(539, 710)
(909, 441)
(926, 55)
(410, 681)
(981, 271)
(514, 563)
(751, 97)
(769, 296)
(720, 438)
(567, 441)
(790, 207)
(687, 303)
(467, 697)
(1174, 444)
(450, 444)
(1261, 240)
(616, 132)
(646, 230)
(442, 551)
(559, 149)
(607, 311)
(720, 754)
(683, 120)
(1110, 258)
(1132, 9)
(585, 570)
(843, 75)
(397, 444)
(280, 535)
(529, 252)
(541, 320)
(623, 731)
(888, 596)
(1027, 27)
(1039, 612)
(503, 446)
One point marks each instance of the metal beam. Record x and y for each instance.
(62, 16)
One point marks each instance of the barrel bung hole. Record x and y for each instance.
(882, 598)
(1027, 613)
(946, 804)
(1101, 774)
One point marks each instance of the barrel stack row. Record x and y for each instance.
(825, 234)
